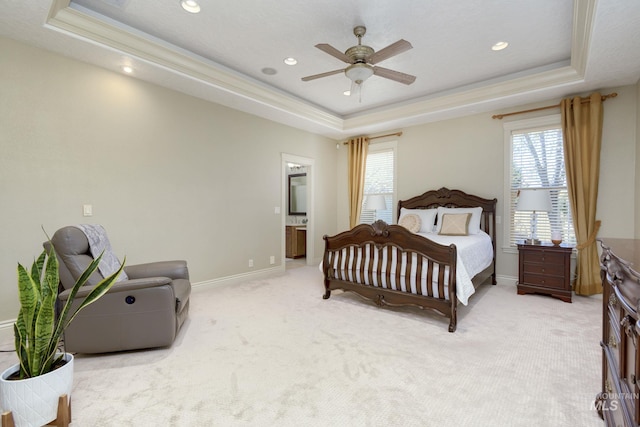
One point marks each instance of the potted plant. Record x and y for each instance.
(38, 329)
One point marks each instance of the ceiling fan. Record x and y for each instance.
(362, 59)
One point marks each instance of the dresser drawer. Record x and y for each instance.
(613, 343)
(619, 405)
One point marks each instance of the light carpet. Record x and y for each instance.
(274, 353)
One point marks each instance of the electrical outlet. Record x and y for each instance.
(250, 263)
(272, 260)
(87, 210)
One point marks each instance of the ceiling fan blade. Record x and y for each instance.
(317, 76)
(326, 48)
(397, 76)
(389, 51)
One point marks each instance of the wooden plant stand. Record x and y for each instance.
(63, 419)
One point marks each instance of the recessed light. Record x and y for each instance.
(127, 69)
(190, 6)
(499, 46)
(290, 61)
(347, 93)
(269, 71)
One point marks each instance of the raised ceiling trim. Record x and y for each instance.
(260, 99)
(583, 20)
(67, 19)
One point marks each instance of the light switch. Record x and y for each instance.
(276, 210)
(87, 210)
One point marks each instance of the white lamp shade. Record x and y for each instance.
(537, 200)
(375, 202)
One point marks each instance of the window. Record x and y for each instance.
(536, 161)
(379, 179)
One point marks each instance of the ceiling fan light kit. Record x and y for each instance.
(362, 59)
(358, 72)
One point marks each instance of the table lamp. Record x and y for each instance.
(533, 200)
(375, 202)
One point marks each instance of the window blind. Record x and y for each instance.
(378, 179)
(537, 162)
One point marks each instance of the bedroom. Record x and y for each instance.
(171, 175)
(131, 201)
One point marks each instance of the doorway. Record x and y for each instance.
(297, 219)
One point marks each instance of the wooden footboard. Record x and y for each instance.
(390, 265)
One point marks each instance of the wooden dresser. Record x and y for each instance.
(545, 269)
(618, 402)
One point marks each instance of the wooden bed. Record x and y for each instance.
(420, 256)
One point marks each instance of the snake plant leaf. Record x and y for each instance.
(98, 291)
(43, 334)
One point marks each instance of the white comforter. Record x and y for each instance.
(475, 253)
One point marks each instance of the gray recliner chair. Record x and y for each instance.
(145, 311)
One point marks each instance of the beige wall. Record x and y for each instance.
(169, 175)
(468, 154)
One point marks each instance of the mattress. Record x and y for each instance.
(474, 252)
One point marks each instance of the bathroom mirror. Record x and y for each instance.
(298, 194)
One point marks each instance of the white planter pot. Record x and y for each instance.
(34, 401)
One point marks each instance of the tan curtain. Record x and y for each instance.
(582, 131)
(358, 148)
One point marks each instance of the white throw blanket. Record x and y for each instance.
(99, 244)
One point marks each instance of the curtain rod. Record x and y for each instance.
(548, 107)
(381, 136)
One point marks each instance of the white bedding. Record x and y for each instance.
(475, 253)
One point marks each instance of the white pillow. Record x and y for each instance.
(474, 223)
(427, 218)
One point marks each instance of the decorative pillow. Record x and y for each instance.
(427, 218)
(455, 224)
(474, 222)
(411, 222)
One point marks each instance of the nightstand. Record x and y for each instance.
(545, 269)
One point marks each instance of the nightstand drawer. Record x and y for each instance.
(542, 280)
(545, 257)
(543, 269)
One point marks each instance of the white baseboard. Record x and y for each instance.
(237, 278)
(506, 280)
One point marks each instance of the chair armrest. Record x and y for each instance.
(122, 286)
(172, 269)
